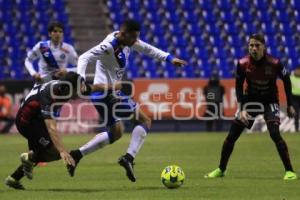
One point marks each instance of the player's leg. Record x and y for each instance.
(99, 141)
(297, 109)
(273, 121)
(142, 125)
(13, 180)
(104, 109)
(40, 145)
(282, 149)
(234, 133)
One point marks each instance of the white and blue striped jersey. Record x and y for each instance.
(112, 58)
(64, 55)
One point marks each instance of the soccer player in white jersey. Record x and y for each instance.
(112, 56)
(54, 56)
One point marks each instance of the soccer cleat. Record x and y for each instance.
(11, 182)
(71, 168)
(27, 165)
(217, 173)
(128, 166)
(289, 175)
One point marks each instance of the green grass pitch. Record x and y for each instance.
(255, 171)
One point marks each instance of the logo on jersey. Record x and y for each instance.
(46, 54)
(284, 71)
(43, 141)
(62, 56)
(120, 56)
(120, 73)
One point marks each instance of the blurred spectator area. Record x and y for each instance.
(22, 24)
(209, 34)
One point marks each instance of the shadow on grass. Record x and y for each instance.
(94, 190)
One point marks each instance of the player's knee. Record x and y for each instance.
(117, 136)
(148, 123)
(229, 140)
(116, 133)
(274, 132)
(145, 121)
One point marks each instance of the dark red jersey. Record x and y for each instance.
(40, 103)
(261, 79)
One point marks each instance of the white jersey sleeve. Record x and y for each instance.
(92, 55)
(150, 50)
(32, 55)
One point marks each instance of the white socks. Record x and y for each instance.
(99, 141)
(102, 139)
(137, 139)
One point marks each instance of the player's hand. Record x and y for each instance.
(67, 158)
(291, 111)
(113, 98)
(244, 117)
(37, 77)
(61, 72)
(117, 85)
(178, 62)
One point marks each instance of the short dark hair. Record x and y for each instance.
(73, 78)
(259, 37)
(54, 24)
(131, 25)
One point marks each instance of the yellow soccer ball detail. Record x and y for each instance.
(172, 176)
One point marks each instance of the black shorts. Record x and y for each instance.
(271, 112)
(36, 133)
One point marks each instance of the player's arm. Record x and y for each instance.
(91, 55)
(239, 84)
(243, 115)
(285, 77)
(52, 129)
(32, 55)
(156, 53)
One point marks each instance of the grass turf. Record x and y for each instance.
(254, 172)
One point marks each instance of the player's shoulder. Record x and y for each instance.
(272, 60)
(244, 60)
(67, 48)
(67, 45)
(109, 42)
(41, 43)
(110, 37)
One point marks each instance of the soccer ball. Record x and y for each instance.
(172, 176)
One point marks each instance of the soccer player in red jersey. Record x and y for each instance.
(260, 71)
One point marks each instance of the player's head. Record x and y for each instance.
(71, 83)
(2, 90)
(129, 32)
(214, 78)
(256, 46)
(56, 32)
